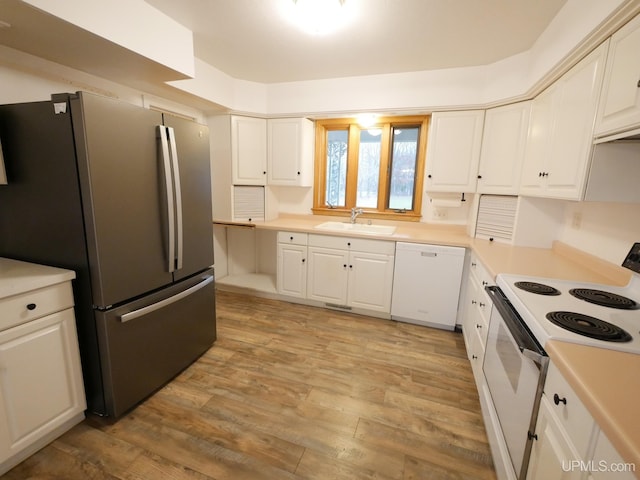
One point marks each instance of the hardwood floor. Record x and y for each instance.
(293, 392)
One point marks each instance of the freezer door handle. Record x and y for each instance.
(170, 210)
(167, 301)
(178, 195)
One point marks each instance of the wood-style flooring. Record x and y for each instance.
(293, 392)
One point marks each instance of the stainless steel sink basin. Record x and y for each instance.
(357, 228)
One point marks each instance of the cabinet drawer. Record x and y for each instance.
(293, 238)
(478, 270)
(569, 410)
(28, 306)
(355, 244)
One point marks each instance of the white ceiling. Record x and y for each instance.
(251, 40)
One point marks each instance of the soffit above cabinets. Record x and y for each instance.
(47, 36)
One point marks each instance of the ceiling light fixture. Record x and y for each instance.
(319, 17)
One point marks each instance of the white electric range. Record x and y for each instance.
(586, 313)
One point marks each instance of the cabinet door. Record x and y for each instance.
(620, 102)
(292, 270)
(327, 275)
(370, 281)
(40, 380)
(503, 148)
(453, 151)
(538, 142)
(572, 136)
(248, 150)
(552, 455)
(290, 152)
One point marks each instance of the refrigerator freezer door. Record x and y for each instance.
(122, 192)
(144, 344)
(192, 147)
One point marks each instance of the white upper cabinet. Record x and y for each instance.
(290, 152)
(561, 132)
(248, 150)
(620, 102)
(503, 147)
(453, 151)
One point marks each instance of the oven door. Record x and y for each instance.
(515, 366)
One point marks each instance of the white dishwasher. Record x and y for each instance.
(426, 284)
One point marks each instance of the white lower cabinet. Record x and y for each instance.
(350, 272)
(292, 264)
(553, 455)
(41, 389)
(569, 444)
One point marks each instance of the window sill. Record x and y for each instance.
(390, 215)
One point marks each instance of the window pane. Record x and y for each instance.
(368, 168)
(337, 142)
(404, 155)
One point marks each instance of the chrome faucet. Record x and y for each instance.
(354, 214)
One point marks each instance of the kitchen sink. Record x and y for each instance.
(357, 228)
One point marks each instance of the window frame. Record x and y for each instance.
(353, 127)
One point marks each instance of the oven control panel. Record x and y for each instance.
(632, 262)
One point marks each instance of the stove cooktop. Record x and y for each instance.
(574, 311)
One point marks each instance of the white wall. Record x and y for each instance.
(606, 230)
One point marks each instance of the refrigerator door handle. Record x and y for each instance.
(167, 301)
(170, 210)
(178, 195)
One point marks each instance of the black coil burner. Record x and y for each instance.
(537, 288)
(589, 326)
(603, 298)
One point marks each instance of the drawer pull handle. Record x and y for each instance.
(557, 400)
(31, 306)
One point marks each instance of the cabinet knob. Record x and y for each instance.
(348, 244)
(532, 436)
(478, 326)
(474, 357)
(484, 283)
(249, 219)
(31, 306)
(290, 238)
(479, 177)
(303, 260)
(345, 265)
(482, 305)
(429, 176)
(473, 264)
(473, 302)
(557, 400)
(638, 83)
(351, 266)
(298, 173)
(264, 173)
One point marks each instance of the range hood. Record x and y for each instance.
(614, 174)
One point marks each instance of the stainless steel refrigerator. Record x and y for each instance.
(122, 195)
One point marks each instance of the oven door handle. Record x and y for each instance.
(535, 356)
(527, 344)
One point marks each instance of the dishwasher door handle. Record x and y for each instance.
(428, 254)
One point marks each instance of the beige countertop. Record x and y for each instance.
(611, 398)
(18, 277)
(608, 383)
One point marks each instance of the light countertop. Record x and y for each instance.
(18, 277)
(608, 383)
(610, 397)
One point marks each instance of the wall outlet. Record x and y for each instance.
(440, 214)
(576, 222)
